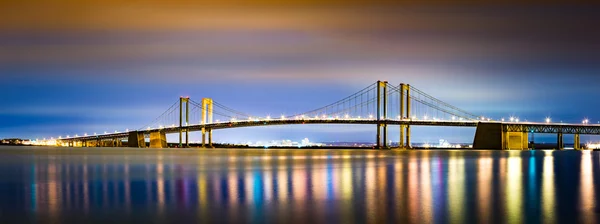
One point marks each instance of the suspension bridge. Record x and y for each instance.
(380, 104)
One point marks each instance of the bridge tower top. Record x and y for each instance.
(207, 111)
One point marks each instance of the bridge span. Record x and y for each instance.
(379, 104)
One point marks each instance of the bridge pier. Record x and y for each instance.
(158, 139)
(560, 141)
(136, 140)
(210, 143)
(494, 136)
(516, 140)
(577, 142)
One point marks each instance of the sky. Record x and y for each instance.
(73, 67)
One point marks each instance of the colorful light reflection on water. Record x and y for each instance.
(298, 186)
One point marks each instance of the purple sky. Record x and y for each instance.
(71, 68)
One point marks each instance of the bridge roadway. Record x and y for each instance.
(272, 122)
(563, 128)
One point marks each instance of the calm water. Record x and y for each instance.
(297, 186)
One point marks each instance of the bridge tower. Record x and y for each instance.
(577, 142)
(404, 113)
(183, 100)
(381, 113)
(206, 118)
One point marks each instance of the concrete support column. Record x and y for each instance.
(203, 137)
(210, 138)
(136, 140)
(515, 140)
(559, 141)
(577, 142)
(158, 139)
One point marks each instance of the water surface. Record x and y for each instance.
(99, 185)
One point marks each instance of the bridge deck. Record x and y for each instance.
(507, 126)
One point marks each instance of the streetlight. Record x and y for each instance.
(547, 120)
(512, 119)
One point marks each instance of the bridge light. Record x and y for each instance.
(346, 116)
(512, 119)
(76, 135)
(268, 117)
(453, 118)
(358, 117)
(547, 120)
(282, 117)
(517, 120)
(68, 136)
(425, 117)
(370, 116)
(127, 130)
(84, 134)
(337, 116)
(502, 119)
